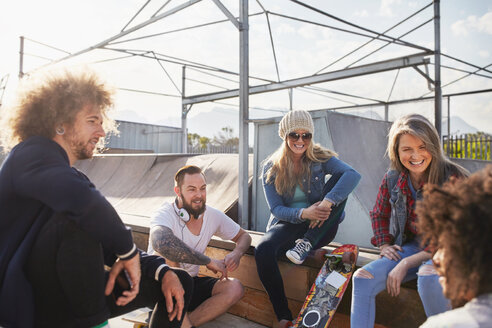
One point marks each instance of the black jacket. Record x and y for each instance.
(36, 181)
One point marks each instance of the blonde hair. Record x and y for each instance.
(50, 99)
(282, 169)
(418, 126)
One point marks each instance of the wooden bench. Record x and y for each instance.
(404, 311)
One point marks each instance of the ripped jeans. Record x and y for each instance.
(364, 290)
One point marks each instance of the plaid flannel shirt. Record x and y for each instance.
(381, 213)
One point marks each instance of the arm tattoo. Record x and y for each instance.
(171, 247)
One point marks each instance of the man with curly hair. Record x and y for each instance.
(57, 232)
(456, 221)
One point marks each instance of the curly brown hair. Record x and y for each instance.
(457, 218)
(49, 99)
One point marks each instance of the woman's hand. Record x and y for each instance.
(395, 277)
(317, 213)
(390, 251)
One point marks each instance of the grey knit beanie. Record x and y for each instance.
(295, 120)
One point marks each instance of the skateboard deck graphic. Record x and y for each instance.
(328, 289)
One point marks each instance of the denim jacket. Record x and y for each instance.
(398, 202)
(347, 177)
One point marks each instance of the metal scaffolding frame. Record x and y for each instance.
(304, 83)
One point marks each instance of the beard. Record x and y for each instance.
(80, 150)
(78, 147)
(193, 212)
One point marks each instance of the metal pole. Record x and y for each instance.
(449, 116)
(184, 113)
(243, 114)
(291, 100)
(21, 58)
(386, 112)
(437, 67)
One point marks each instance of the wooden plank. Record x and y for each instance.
(297, 279)
(228, 320)
(141, 240)
(256, 306)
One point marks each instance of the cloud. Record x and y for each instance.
(308, 32)
(484, 54)
(385, 8)
(459, 28)
(473, 23)
(361, 13)
(485, 23)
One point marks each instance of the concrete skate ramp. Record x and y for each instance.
(360, 142)
(138, 184)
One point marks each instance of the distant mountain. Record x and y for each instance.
(208, 124)
(130, 116)
(458, 126)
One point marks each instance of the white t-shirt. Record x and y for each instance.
(475, 314)
(214, 223)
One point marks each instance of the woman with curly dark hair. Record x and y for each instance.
(456, 222)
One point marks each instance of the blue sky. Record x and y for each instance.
(301, 49)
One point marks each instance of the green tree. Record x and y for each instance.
(196, 140)
(193, 139)
(226, 137)
(204, 142)
(470, 145)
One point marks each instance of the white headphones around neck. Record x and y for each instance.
(181, 212)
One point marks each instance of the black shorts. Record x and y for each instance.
(202, 290)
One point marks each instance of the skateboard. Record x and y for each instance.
(139, 318)
(327, 291)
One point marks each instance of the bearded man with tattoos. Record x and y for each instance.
(180, 232)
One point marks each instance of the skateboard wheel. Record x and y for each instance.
(348, 257)
(311, 319)
(138, 325)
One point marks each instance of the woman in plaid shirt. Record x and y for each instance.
(416, 157)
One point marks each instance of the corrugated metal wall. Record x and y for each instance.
(141, 136)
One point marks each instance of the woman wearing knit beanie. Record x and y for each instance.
(305, 209)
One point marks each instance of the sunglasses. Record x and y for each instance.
(295, 136)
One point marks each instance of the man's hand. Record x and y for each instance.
(218, 266)
(171, 288)
(232, 260)
(132, 271)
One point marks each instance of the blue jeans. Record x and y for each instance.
(276, 241)
(364, 290)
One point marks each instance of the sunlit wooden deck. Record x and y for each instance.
(227, 320)
(255, 310)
